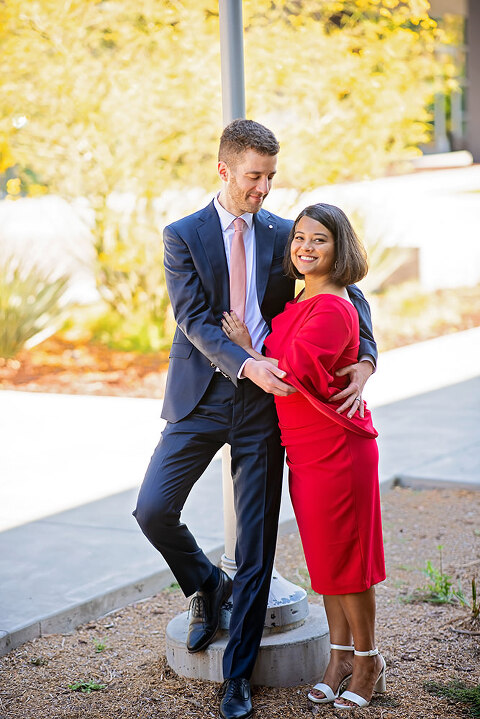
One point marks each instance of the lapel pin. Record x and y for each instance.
(270, 227)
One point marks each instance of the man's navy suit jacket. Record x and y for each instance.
(197, 279)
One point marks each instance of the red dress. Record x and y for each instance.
(333, 460)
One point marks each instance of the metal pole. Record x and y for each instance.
(287, 605)
(231, 52)
(233, 107)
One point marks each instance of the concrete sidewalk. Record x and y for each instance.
(70, 467)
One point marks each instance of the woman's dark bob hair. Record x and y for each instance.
(350, 263)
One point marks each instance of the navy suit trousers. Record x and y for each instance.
(245, 418)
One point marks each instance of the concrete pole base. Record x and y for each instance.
(286, 658)
(287, 605)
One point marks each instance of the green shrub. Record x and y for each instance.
(131, 279)
(137, 332)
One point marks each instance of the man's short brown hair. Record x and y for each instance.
(242, 135)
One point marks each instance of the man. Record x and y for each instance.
(216, 394)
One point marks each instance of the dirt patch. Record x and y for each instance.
(125, 651)
(64, 367)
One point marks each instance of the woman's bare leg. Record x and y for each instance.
(359, 610)
(341, 662)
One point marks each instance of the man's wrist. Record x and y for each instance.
(370, 360)
(241, 373)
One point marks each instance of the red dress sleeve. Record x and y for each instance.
(326, 341)
(313, 354)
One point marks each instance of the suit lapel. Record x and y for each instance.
(210, 234)
(265, 232)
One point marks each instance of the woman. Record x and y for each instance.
(333, 460)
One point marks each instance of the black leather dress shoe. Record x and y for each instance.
(205, 614)
(236, 700)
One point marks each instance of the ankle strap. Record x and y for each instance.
(342, 647)
(370, 653)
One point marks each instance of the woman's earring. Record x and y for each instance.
(336, 264)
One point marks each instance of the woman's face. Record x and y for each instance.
(313, 248)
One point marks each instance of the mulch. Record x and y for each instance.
(124, 652)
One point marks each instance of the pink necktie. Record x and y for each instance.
(238, 270)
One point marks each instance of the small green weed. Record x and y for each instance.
(439, 587)
(38, 661)
(473, 605)
(86, 687)
(457, 693)
(173, 587)
(99, 645)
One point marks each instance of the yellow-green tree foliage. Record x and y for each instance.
(98, 95)
(103, 96)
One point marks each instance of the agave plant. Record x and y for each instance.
(30, 305)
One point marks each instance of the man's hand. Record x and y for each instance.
(358, 373)
(267, 376)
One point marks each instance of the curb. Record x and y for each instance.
(407, 482)
(65, 621)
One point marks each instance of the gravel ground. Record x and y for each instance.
(125, 651)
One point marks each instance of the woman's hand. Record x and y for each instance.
(236, 330)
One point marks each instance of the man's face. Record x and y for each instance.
(247, 182)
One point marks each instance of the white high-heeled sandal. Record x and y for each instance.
(330, 695)
(380, 685)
